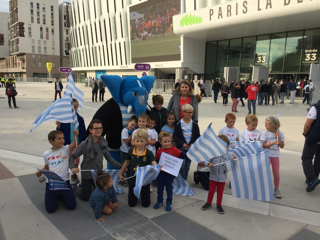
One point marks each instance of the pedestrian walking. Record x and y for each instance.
(307, 91)
(264, 93)
(277, 91)
(231, 88)
(236, 95)
(58, 88)
(283, 89)
(216, 88)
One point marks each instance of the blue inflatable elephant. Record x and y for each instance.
(129, 97)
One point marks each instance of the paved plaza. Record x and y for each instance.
(23, 215)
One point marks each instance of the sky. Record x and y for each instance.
(4, 5)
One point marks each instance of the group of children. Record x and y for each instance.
(157, 132)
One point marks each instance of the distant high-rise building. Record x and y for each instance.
(34, 39)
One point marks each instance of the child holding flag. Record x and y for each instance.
(218, 176)
(93, 149)
(139, 156)
(56, 160)
(67, 129)
(272, 140)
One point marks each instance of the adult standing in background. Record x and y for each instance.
(225, 91)
(252, 98)
(177, 84)
(11, 93)
(231, 88)
(95, 88)
(288, 89)
(191, 83)
(293, 90)
(216, 88)
(307, 91)
(277, 91)
(259, 84)
(270, 91)
(184, 95)
(86, 81)
(102, 90)
(311, 147)
(58, 89)
(283, 89)
(236, 95)
(264, 93)
(242, 92)
(203, 88)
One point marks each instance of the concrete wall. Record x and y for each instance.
(4, 19)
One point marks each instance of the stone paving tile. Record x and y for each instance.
(305, 234)
(5, 173)
(181, 227)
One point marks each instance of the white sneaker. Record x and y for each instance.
(277, 193)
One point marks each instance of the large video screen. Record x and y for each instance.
(151, 31)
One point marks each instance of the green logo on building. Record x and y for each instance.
(190, 20)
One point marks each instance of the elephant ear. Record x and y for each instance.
(113, 83)
(148, 81)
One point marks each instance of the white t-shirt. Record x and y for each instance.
(58, 86)
(124, 135)
(58, 161)
(270, 137)
(250, 135)
(155, 133)
(231, 133)
(312, 114)
(151, 136)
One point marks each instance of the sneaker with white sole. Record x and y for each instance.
(277, 193)
(206, 207)
(220, 209)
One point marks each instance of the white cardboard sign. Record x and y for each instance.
(170, 164)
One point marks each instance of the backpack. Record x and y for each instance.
(307, 89)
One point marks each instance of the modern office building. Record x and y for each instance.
(64, 30)
(188, 38)
(4, 34)
(34, 39)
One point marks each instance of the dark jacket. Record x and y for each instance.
(236, 92)
(264, 88)
(65, 128)
(176, 85)
(102, 86)
(225, 88)
(216, 85)
(283, 87)
(243, 90)
(313, 135)
(161, 117)
(269, 87)
(178, 135)
(60, 85)
(12, 88)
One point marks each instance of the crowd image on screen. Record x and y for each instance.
(155, 20)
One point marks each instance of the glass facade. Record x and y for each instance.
(286, 54)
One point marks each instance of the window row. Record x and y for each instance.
(290, 52)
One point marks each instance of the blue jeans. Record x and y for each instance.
(184, 170)
(253, 106)
(264, 96)
(164, 180)
(216, 93)
(282, 96)
(259, 98)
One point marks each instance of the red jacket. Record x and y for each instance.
(252, 92)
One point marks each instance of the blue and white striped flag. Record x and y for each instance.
(61, 110)
(125, 115)
(114, 175)
(207, 146)
(144, 176)
(247, 149)
(234, 144)
(181, 187)
(250, 177)
(74, 91)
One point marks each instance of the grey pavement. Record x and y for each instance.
(22, 213)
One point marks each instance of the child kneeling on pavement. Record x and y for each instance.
(218, 176)
(57, 160)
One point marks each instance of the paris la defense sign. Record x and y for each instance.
(240, 12)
